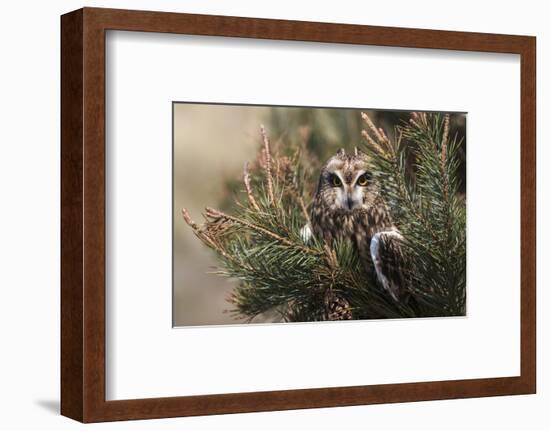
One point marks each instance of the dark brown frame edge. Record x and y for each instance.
(83, 219)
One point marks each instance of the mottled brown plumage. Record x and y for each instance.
(348, 205)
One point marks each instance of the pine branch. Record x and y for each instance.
(260, 242)
(429, 213)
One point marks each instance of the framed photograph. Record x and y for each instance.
(267, 215)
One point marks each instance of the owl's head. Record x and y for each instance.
(346, 183)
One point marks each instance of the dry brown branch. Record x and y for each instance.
(205, 234)
(215, 214)
(425, 117)
(189, 220)
(246, 180)
(332, 260)
(304, 209)
(445, 140)
(383, 134)
(268, 173)
(373, 143)
(444, 143)
(414, 120)
(372, 127)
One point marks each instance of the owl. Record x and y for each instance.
(348, 205)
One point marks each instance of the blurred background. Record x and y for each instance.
(211, 145)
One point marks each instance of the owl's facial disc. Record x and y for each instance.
(350, 189)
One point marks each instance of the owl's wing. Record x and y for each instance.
(387, 256)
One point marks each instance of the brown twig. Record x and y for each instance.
(445, 140)
(189, 220)
(383, 134)
(373, 143)
(268, 173)
(444, 143)
(213, 213)
(246, 180)
(204, 235)
(332, 260)
(415, 117)
(372, 127)
(304, 209)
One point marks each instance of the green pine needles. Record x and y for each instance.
(260, 242)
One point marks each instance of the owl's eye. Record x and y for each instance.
(363, 180)
(335, 180)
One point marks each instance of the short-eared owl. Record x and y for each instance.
(348, 205)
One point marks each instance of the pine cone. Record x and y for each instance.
(337, 308)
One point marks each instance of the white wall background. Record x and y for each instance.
(29, 217)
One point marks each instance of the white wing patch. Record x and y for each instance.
(306, 234)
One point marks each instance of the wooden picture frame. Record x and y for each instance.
(83, 214)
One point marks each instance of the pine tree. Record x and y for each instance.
(261, 242)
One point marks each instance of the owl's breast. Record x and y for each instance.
(358, 226)
(334, 225)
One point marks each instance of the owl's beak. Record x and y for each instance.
(349, 201)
